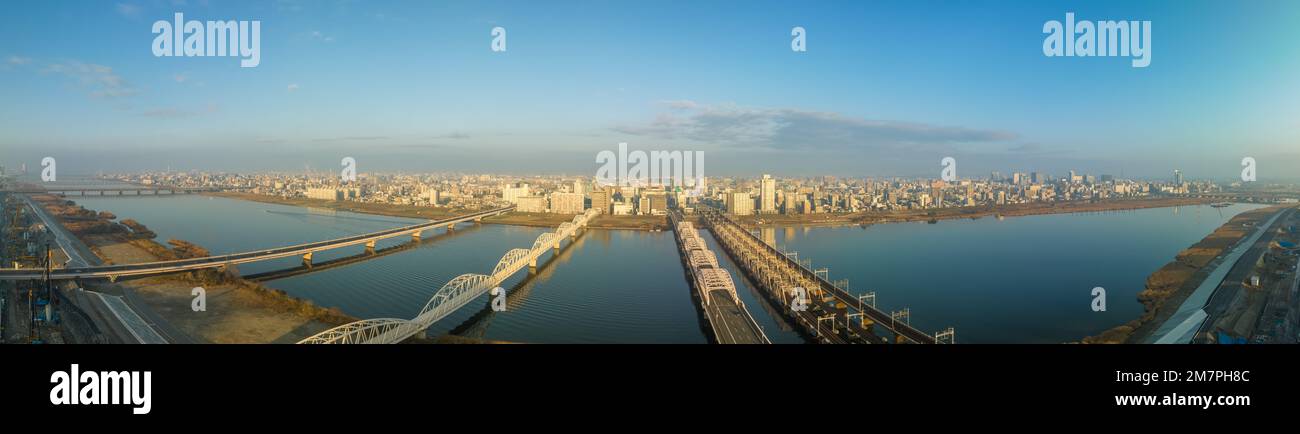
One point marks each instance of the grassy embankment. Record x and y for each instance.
(1169, 286)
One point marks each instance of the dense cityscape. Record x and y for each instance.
(742, 196)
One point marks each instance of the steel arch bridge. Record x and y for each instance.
(709, 277)
(453, 295)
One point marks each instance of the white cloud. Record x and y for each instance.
(317, 35)
(786, 128)
(100, 79)
(292, 87)
(128, 10)
(174, 112)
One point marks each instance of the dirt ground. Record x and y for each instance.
(233, 314)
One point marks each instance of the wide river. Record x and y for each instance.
(1018, 280)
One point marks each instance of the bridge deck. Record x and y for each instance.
(162, 267)
(732, 323)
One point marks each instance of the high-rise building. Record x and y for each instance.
(602, 200)
(1178, 177)
(530, 204)
(658, 202)
(739, 203)
(792, 203)
(767, 195)
(512, 193)
(567, 203)
(325, 193)
(580, 186)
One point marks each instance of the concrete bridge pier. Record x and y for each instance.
(370, 247)
(415, 237)
(306, 259)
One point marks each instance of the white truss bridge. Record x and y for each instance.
(452, 296)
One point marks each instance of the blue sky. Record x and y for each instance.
(885, 88)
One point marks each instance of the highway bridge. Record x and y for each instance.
(729, 322)
(453, 295)
(305, 251)
(825, 310)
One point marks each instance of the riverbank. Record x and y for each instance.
(975, 212)
(237, 310)
(551, 220)
(1169, 286)
(408, 211)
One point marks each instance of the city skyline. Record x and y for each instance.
(883, 90)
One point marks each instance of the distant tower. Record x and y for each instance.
(1178, 177)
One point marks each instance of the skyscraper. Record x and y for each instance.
(767, 195)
